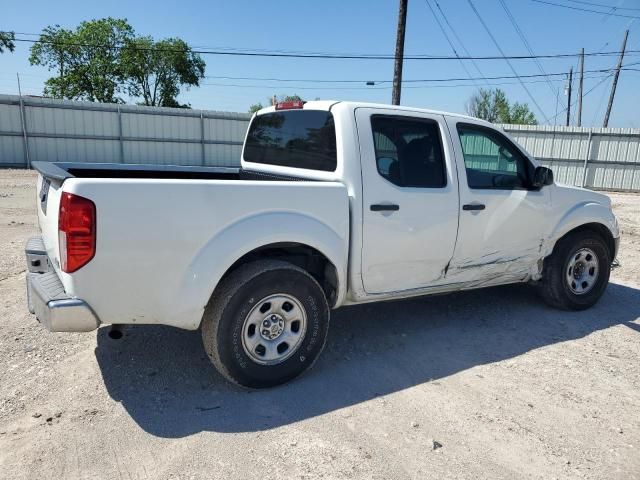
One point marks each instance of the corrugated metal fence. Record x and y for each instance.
(33, 129)
(598, 158)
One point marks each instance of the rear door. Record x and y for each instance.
(410, 199)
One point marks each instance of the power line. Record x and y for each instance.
(604, 6)
(524, 41)
(446, 36)
(321, 55)
(588, 10)
(473, 7)
(385, 87)
(422, 80)
(444, 16)
(625, 67)
(587, 93)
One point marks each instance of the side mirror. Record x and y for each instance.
(542, 176)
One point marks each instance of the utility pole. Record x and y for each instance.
(569, 96)
(615, 80)
(23, 121)
(580, 88)
(397, 70)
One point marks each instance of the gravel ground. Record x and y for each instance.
(482, 384)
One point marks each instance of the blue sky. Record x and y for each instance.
(361, 27)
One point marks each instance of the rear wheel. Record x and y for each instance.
(265, 324)
(577, 273)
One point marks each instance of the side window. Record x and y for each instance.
(492, 161)
(409, 151)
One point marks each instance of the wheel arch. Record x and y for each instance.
(300, 239)
(587, 216)
(595, 227)
(307, 257)
(553, 285)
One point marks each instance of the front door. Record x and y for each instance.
(410, 199)
(503, 221)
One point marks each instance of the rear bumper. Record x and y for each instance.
(47, 299)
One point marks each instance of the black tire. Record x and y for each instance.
(555, 288)
(236, 297)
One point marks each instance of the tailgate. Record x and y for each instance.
(48, 196)
(51, 177)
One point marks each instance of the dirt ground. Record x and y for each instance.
(483, 384)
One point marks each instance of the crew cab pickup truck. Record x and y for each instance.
(335, 203)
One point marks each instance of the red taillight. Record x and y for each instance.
(76, 231)
(289, 105)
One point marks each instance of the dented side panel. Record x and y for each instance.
(506, 239)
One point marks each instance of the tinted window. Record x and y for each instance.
(294, 138)
(491, 160)
(409, 151)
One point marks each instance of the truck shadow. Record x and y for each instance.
(165, 382)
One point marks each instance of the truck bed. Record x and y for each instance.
(63, 170)
(60, 171)
(174, 231)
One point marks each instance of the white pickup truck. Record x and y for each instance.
(335, 203)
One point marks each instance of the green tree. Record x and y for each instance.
(519, 114)
(7, 40)
(289, 98)
(255, 107)
(493, 106)
(156, 71)
(87, 59)
(55, 50)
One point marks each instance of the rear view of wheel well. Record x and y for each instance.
(303, 256)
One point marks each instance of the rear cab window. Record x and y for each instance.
(293, 138)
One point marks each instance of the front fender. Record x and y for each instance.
(250, 233)
(581, 214)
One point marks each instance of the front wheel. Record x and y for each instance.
(577, 273)
(265, 324)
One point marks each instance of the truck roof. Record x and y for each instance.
(328, 104)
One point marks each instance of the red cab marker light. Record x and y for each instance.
(290, 105)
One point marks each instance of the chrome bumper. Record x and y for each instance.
(46, 298)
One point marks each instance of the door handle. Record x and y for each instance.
(387, 207)
(473, 206)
